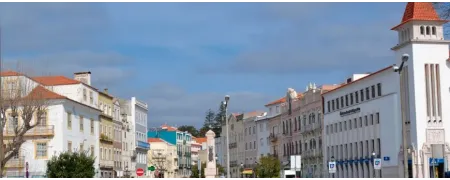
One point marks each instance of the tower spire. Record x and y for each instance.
(420, 11)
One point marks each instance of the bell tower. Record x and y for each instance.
(424, 90)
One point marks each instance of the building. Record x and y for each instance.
(308, 128)
(251, 142)
(364, 117)
(119, 128)
(236, 144)
(107, 132)
(197, 144)
(182, 140)
(274, 122)
(289, 114)
(139, 111)
(262, 133)
(220, 151)
(69, 124)
(163, 156)
(128, 152)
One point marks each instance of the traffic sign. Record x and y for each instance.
(139, 172)
(377, 163)
(332, 167)
(151, 168)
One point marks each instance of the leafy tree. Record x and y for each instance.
(221, 169)
(203, 131)
(194, 171)
(220, 115)
(71, 165)
(268, 167)
(191, 129)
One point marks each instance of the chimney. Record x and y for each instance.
(84, 77)
(105, 90)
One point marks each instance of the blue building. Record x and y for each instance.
(182, 140)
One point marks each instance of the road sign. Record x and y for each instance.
(139, 172)
(377, 163)
(151, 168)
(332, 167)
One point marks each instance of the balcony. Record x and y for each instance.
(232, 145)
(311, 127)
(106, 164)
(36, 131)
(17, 162)
(143, 145)
(134, 155)
(272, 137)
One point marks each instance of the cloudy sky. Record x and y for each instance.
(182, 58)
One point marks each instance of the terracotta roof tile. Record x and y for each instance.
(40, 92)
(10, 73)
(150, 140)
(169, 128)
(55, 80)
(422, 11)
(278, 101)
(200, 140)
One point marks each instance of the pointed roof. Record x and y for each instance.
(55, 80)
(40, 92)
(422, 11)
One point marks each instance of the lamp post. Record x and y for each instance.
(405, 58)
(227, 98)
(373, 162)
(242, 170)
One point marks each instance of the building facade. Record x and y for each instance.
(128, 150)
(163, 156)
(262, 133)
(107, 126)
(274, 122)
(251, 147)
(139, 111)
(118, 130)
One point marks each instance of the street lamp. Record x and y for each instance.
(225, 103)
(332, 160)
(373, 162)
(405, 58)
(242, 170)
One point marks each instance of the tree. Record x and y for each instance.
(71, 165)
(221, 169)
(194, 171)
(21, 101)
(220, 115)
(268, 167)
(203, 131)
(158, 158)
(191, 129)
(443, 9)
(209, 119)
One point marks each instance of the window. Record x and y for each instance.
(371, 119)
(379, 89)
(355, 124)
(81, 123)
(91, 97)
(367, 94)
(84, 94)
(295, 124)
(69, 120)
(92, 126)
(422, 30)
(346, 100)
(428, 30)
(41, 150)
(433, 30)
(351, 98)
(43, 119)
(254, 129)
(356, 97)
(331, 128)
(246, 146)
(69, 146)
(360, 122)
(337, 103)
(261, 127)
(362, 95)
(332, 102)
(373, 91)
(350, 124)
(340, 126)
(342, 101)
(345, 125)
(245, 132)
(254, 144)
(328, 106)
(328, 129)
(366, 120)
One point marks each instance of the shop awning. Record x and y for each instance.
(247, 171)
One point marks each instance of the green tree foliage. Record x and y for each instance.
(268, 167)
(220, 115)
(191, 129)
(209, 119)
(71, 165)
(221, 169)
(194, 169)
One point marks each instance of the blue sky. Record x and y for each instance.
(182, 58)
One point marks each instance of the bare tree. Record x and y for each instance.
(159, 159)
(23, 106)
(443, 9)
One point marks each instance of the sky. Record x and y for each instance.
(183, 58)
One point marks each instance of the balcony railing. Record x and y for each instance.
(106, 163)
(311, 127)
(17, 162)
(272, 137)
(36, 131)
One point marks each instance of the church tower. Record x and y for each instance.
(424, 87)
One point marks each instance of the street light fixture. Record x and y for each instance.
(225, 103)
(332, 160)
(373, 161)
(242, 170)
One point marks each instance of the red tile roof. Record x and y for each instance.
(278, 101)
(40, 92)
(200, 140)
(343, 85)
(422, 11)
(169, 128)
(10, 73)
(150, 140)
(55, 80)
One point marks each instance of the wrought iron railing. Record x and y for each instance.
(41, 130)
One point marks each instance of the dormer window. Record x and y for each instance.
(428, 30)
(422, 30)
(433, 30)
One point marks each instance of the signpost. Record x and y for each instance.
(332, 167)
(377, 163)
(139, 172)
(151, 168)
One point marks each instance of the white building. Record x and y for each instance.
(128, 152)
(262, 133)
(365, 115)
(69, 125)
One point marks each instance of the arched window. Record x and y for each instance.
(296, 147)
(300, 146)
(284, 149)
(313, 118)
(284, 128)
(422, 30)
(295, 124)
(433, 30)
(428, 30)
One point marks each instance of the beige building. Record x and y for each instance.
(119, 126)
(163, 156)
(274, 116)
(106, 135)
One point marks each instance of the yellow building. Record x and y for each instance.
(163, 156)
(106, 135)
